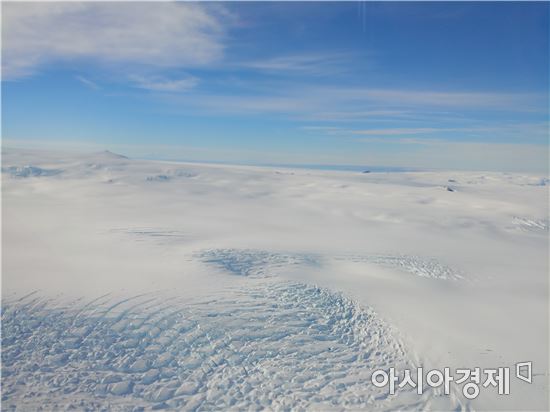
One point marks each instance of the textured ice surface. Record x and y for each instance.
(169, 174)
(251, 262)
(423, 267)
(530, 224)
(29, 171)
(393, 241)
(158, 178)
(274, 345)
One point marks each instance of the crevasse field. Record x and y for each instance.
(131, 284)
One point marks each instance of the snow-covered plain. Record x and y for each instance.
(144, 284)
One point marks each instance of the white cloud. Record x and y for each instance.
(321, 102)
(437, 99)
(321, 128)
(161, 84)
(144, 34)
(400, 131)
(87, 82)
(535, 132)
(403, 140)
(310, 64)
(361, 115)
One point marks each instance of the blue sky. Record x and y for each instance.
(425, 85)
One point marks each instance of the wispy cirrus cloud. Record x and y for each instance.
(303, 64)
(163, 84)
(87, 82)
(531, 130)
(385, 135)
(360, 115)
(403, 131)
(519, 132)
(404, 141)
(161, 35)
(438, 99)
(315, 101)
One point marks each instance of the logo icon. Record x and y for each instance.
(523, 371)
